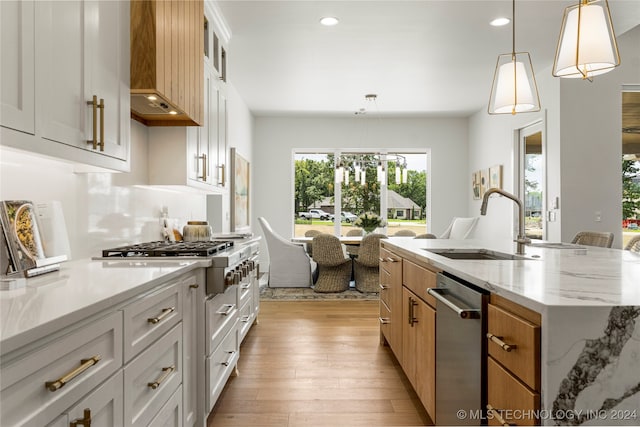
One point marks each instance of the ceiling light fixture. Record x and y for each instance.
(329, 21)
(587, 44)
(514, 88)
(499, 22)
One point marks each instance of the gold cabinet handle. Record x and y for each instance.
(391, 259)
(84, 365)
(222, 177)
(94, 105)
(230, 308)
(382, 260)
(194, 286)
(383, 287)
(165, 313)
(493, 413)
(231, 356)
(412, 318)
(165, 373)
(384, 320)
(498, 340)
(101, 107)
(84, 421)
(245, 319)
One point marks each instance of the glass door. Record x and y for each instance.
(532, 168)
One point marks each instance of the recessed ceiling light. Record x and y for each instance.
(499, 22)
(329, 21)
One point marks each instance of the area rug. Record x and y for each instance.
(292, 294)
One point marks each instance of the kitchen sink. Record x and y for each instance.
(477, 254)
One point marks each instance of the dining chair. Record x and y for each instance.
(334, 265)
(594, 238)
(633, 245)
(425, 236)
(459, 228)
(355, 232)
(405, 232)
(309, 245)
(366, 266)
(289, 264)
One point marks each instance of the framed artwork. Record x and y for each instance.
(484, 181)
(495, 176)
(239, 192)
(475, 183)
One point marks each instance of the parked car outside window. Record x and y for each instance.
(346, 217)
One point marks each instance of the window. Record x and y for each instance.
(532, 180)
(344, 185)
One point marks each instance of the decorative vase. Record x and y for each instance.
(369, 230)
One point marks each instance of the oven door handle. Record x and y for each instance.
(463, 313)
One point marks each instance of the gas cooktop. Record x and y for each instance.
(169, 249)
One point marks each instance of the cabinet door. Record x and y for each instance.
(17, 76)
(105, 404)
(106, 62)
(193, 370)
(59, 48)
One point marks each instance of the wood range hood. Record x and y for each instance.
(167, 45)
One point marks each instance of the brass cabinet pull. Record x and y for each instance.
(383, 287)
(230, 308)
(165, 313)
(412, 318)
(245, 286)
(84, 421)
(222, 177)
(381, 259)
(101, 107)
(384, 320)
(166, 372)
(194, 286)
(492, 412)
(231, 356)
(204, 167)
(84, 365)
(391, 259)
(245, 319)
(498, 340)
(94, 105)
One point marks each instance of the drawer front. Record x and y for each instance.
(512, 400)
(245, 319)
(149, 318)
(385, 322)
(170, 414)
(244, 293)
(390, 262)
(104, 403)
(523, 339)
(418, 280)
(385, 287)
(219, 367)
(27, 400)
(222, 315)
(152, 377)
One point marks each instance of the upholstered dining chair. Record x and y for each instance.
(289, 264)
(633, 245)
(405, 232)
(366, 265)
(334, 265)
(425, 236)
(460, 228)
(594, 238)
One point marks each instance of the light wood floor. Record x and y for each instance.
(317, 363)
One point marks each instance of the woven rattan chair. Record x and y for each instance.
(366, 265)
(594, 238)
(633, 245)
(355, 232)
(334, 266)
(426, 236)
(404, 232)
(353, 249)
(309, 246)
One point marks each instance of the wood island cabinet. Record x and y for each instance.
(513, 363)
(391, 301)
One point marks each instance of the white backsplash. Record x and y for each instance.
(101, 210)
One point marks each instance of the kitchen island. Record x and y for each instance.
(588, 301)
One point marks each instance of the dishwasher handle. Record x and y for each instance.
(463, 313)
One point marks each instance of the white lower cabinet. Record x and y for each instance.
(170, 415)
(39, 386)
(152, 377)
(103, 406)
(220, 365)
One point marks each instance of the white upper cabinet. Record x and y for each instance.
(18, 65)
(71, 52)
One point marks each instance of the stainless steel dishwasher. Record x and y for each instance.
(460, 351)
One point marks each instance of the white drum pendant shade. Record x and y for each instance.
(514, 87)
(587, 45)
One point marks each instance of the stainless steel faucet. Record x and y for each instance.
(522, 239)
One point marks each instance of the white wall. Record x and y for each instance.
(277, 137)
(591, 116)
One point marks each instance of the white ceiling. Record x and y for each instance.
(421, 57)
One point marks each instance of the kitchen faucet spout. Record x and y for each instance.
(522, 239)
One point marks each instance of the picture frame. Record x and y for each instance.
(495, 176)
(239, 193)
(484, 181)
(475, 184)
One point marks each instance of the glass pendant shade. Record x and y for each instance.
(514, 88)
(587, 45)
(398, 176)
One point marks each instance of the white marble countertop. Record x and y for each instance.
(590, 276)
(79, 289)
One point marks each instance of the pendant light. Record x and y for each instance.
(587, 44)
(514, 88)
